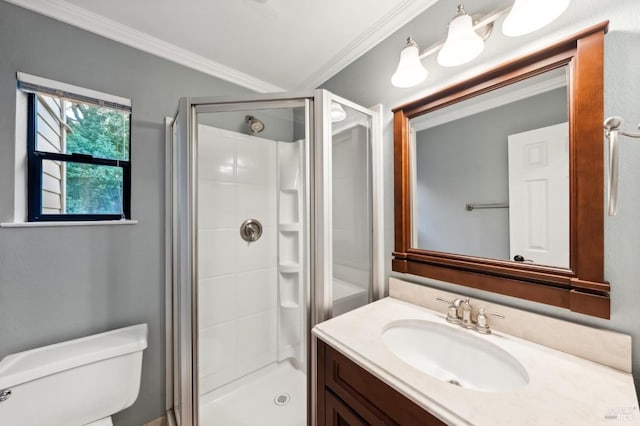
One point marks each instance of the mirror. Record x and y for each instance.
(499, 179)
(490, 175)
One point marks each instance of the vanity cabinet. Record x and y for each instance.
(348, 395)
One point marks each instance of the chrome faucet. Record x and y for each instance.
(459, 313)
(453, 311)
(482, 325)
(465, 307)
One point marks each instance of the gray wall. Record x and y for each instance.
(366, 81)
(465, 161)
(66, 282)
(279, 124)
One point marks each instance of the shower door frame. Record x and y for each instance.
(181, 161)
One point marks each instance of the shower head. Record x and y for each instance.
(255, 126)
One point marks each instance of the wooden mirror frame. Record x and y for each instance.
(581, 287)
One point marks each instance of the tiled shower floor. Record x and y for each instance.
(253, 403)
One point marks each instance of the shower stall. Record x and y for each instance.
(272, 204)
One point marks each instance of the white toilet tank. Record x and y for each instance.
(73, 383)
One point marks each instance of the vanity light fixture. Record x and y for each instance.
(466, 36)
(527, 16)
(410, 70)
(463, 44)
(337, 113)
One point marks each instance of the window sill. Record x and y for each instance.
(62, 223)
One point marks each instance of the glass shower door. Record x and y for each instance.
(246, 177)
(252, 269)
(182, 334)
(345, 214)
(352, 224)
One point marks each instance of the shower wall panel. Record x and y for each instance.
(351, 219)
(237, 280)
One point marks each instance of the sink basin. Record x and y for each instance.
(455, 356)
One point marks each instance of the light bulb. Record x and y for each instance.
(410, 71)
(527, 16)
(462, 44)
(337, 112)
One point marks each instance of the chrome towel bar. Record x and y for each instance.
(471, 207)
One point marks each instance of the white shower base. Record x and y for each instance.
(251, 402)
(347, 297)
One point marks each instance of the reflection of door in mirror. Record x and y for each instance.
(462, 180)
(538, 196)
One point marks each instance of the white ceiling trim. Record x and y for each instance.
(81, 18)
(383, 28)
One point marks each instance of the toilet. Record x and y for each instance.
(73, 383)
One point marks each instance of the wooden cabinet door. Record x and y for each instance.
(368, 400)
(338, 414)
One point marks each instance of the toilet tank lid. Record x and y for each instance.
(29, 365)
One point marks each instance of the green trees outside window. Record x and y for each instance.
(101, 133)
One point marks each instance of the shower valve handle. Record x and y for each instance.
(251, 230)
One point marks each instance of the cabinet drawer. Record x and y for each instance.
(375, 401)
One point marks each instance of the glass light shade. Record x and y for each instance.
(462, 44)
(410, 70)
(527, 16)
(337, 112)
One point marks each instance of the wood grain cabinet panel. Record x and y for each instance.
(338, 414)
(349, 395)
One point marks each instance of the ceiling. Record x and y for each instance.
(265, 45)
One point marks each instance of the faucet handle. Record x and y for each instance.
(465, 307)
(481, 322)
(452, 310)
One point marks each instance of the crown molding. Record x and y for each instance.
(81, 18)
(92, 22)
(383, 28)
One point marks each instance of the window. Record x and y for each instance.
(78, 153)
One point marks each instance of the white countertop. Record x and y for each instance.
(563, 389)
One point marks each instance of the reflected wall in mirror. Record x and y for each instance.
(490, 175)
(527, 135)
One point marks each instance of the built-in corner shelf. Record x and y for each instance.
(289, 227)
(289, 205)
(289, 268)
(290, 251)
(289, 305)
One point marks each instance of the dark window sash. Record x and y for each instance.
(35, 190)
(78, 217)
(34, 175)
(80, 158)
